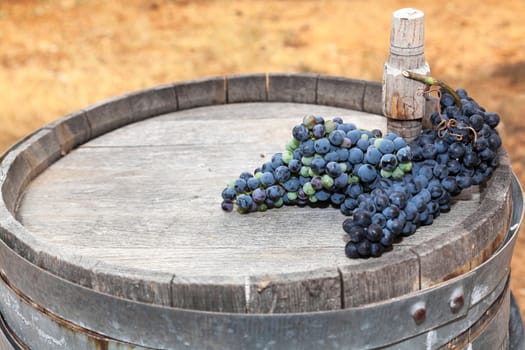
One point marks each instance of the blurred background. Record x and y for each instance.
(57, 56)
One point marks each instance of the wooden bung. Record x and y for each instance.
(403, 99)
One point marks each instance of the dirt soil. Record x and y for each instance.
(59, 56)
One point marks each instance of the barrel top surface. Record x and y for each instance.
(147, 196)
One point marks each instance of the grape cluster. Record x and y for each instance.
(387, 187)
(321, 164)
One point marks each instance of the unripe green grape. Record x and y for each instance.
(305, 171)
(398, 173)
(386, 173)
(406, 167)
(292, 196)
(307, 160)
(308, 189)
(287, 157)
(327, 181)
(330, 126)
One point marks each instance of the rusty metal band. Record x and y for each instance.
(158, 327)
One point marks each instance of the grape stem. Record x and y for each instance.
(433, 82)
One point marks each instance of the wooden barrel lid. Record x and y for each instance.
(131, 207)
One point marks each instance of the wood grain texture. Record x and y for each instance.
(492, 330)
(373, 280)
(109, 115)
(372, 98)
(247, 88)
(71, 130)
(300, 88)
(201, 92)
(409, 129)
(210, 293)
(308, 291)
(41, 150)
(154, 101)
(15, 174)
(340, 92)
(494, 228)
(402, 97)
(175, 172)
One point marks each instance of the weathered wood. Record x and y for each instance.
(211, 293)
(201, 92)
(45, 331)
(405, 127)
(109, 115)
(340, 92)
(372, 98)
(402, 98)
(41, 150)
(444, 257)
(15, 177)
(300, 88)
(152, 102)
(247, 88)
(201, 172)
(308, 291)
(71, 130)
(365, 282)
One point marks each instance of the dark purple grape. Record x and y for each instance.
(362, 218)
(374, 233)
(229, 194)
(300, 133)
(318, 165)
(227, 206)
(252, 183)
(318, 131)
(376, 249)
(363, 248)
(357, 233)
(351, 250)
(336, 137)
(492, 119)
(321, 146)
(259, 195)
(267, 179)
(244, 201)
(295, 165)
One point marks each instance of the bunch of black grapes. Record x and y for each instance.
(386, 186)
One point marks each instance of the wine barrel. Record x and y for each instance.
(112, 235)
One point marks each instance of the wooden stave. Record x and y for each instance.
(65, 134)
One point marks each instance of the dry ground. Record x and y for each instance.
(58, 56)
